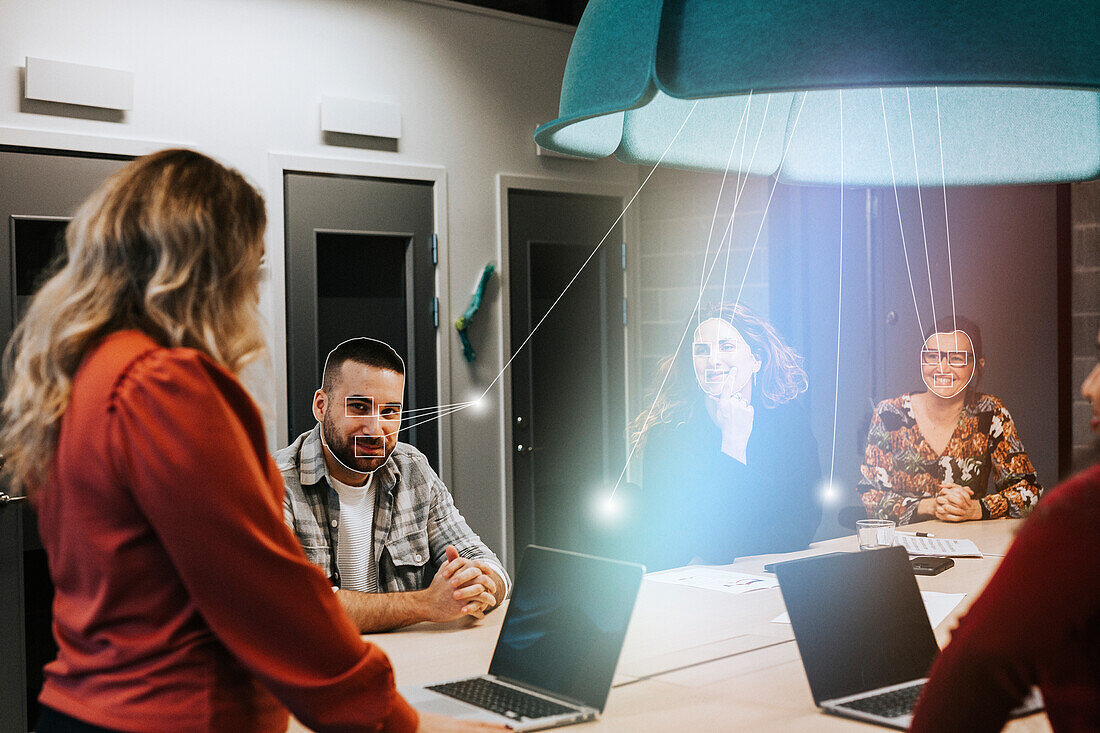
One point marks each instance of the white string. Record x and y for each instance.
(440, 416)
(435, 408)
(946, 220)
(839, 296)
(767, 206)
(741, 190)
(722, 187)
(897, 201)
(920, 203)
(593, 254)
(664, 380)
(449, 411)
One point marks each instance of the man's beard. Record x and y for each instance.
(344, 451)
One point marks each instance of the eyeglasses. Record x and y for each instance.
(931, 357)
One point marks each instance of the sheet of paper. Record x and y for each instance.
(940, 605)
(937, 605)
(937, 546)
(725, 581)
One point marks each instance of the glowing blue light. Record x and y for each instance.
(606, 506)
(830, 494)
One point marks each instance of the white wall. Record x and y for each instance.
(240, 79)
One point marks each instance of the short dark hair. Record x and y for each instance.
(362, 350)
(949, 324)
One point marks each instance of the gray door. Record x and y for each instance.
(568, 402)
(360, 261)
(39, 192)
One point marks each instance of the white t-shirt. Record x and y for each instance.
(355, 550)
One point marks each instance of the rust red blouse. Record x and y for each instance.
(1036, 623)
(183, 602)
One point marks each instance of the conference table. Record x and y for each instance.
(698, 659)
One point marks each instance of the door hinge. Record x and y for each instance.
(434, 244)
(624, 255)
(435, 313)
(624, 311)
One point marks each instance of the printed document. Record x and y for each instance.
(726, 581)
(937, 546)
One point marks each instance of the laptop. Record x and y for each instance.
(863, 634)
(558, 646)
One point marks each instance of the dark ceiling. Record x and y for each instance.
(560, 11)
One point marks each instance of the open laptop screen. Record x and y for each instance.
(859, 621)
(566, 622)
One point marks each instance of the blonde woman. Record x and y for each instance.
(730, 466)
(182, 600)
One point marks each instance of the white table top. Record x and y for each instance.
(698, 659)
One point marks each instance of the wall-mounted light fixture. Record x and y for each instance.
(88, 86)
(361, 117)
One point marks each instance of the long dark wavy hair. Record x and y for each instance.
(781, 377)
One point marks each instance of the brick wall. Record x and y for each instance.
(1085, 309)
(675, 212)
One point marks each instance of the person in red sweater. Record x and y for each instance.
(182, 601)
(1036, 623)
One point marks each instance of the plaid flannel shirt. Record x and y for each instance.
(414, 516)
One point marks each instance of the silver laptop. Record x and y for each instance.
(558, 646)
(863, 633)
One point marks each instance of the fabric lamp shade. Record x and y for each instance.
(1002, 92)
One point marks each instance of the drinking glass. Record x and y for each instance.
(875, 533)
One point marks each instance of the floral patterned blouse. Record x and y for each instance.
(900, 468)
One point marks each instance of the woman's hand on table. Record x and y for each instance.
(926, 509)
(956, 503)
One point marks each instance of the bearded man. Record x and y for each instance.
(370, 511)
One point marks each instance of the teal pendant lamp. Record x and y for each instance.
(962, 93)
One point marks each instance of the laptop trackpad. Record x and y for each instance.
(426, 701)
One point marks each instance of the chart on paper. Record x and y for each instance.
(726, 581)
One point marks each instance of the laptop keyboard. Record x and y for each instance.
(888, 704)
(500, 699)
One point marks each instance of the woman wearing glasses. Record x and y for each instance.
(951, 452)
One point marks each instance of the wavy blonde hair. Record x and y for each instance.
(170, 245)
(781, 377)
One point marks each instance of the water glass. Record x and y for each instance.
(875, 533)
